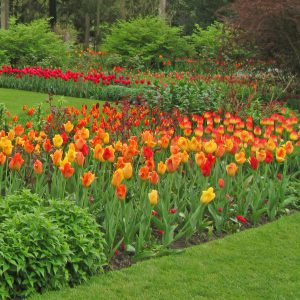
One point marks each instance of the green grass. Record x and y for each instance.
(260, 263)
(14, 99)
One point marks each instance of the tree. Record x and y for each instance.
(4, 14)
(52, 12)
(162, 8)
(274, 25)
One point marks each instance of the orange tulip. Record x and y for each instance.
(87, 179)
(231, 169)
(16, 162)
(289, 148)
(98, 153)
(161, 168)
(79, 159)
(28, 147)
(56, 157)
(38, 167)
(261, 155)
(47, 145)
(240, 157)
(144, 173)
(154, 177)
(117, 178)
(280, 154)
(2, 158)
(67, 170)
(200, 158)
(121, 192)
(68, 127)
(173, 162)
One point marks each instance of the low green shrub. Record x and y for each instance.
(31, 44)
(146, 38)
(46, 244)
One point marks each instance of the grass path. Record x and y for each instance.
(260, 263)
(14, 99)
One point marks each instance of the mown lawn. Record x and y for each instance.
(14, 99)
(260, 263)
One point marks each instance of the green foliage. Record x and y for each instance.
(210, 42)
(191, 98)
(31, 44)
(147, 38)
(45, 245)
(218, 40)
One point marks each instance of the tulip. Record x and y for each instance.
(207, 196)
(38, 167)
(127, 170)
(161, 168)
(261, 155)
(117, 178)
(16, 162)
(67, 170)
(87, 179)
(68, 127)
(254, 163)
(210, 146)
(57, 141)
(221, 182)
(280, 154)
(240, 157)
(121, 192)
(2, 158)
(289, 148)
(144, 173)
(153, 177)
(231, 169)
(56, 157)
(79, 159)
(153, 197)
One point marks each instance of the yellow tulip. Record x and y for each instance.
(208, 196)
(153, 197)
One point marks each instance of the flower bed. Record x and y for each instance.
(153, 178)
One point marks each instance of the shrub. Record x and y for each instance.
(31, 44)
(46, 244)
(218, 40)
(147, 38)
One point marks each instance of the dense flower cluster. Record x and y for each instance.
(164, 168)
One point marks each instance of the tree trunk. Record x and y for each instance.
(162, 8)
(4, 14)
(87, 31)
(52, 12)
(123, 9)
(97, 29)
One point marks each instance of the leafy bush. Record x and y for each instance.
(31, 44)
(218, 40)
(147, 38)
(45, 245)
